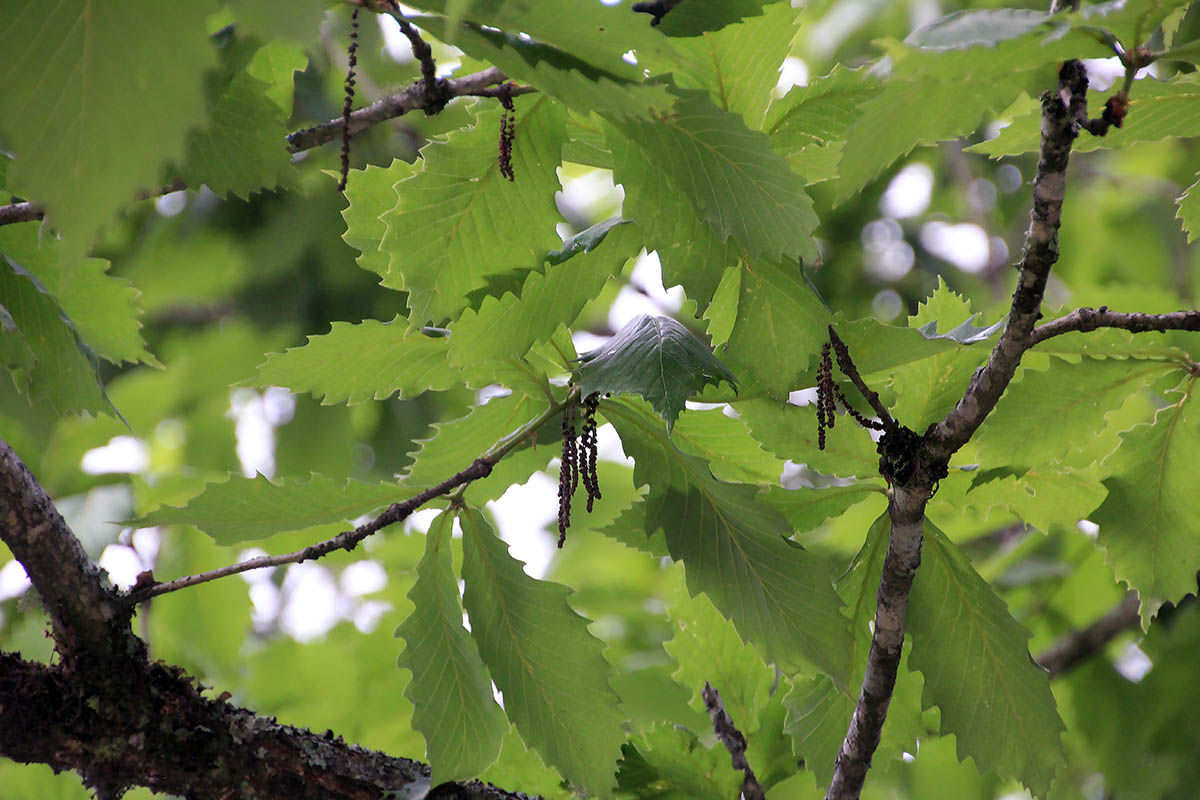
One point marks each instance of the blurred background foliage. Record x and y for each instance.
(223, 281)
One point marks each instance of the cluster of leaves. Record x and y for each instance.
(719, 174)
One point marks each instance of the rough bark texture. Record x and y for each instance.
(118, 720)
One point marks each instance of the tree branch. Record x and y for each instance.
(907, 510)
(1059, 130)
(412, 98)
(175, 741)
(924, 463)
(109, 714)
(348, 540)
(733, 740)
(1075, 647)
(81, 610)
(1085, 319)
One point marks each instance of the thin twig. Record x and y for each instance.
(1073, 648)
(1089, 319)
(474, 85)
(850, 371)
(348, 540)
(733, 740)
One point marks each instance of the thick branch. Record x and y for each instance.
(1059, 129)
(81, 610)
(907, 511)
(177, 742)
(1089, 319)
(1075, 647)
(414, 97)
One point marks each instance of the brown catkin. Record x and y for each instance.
(353, 58)
(568, 475)
(508, 132)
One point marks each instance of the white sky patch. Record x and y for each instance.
(586, 341)
(13, 580)
(887, 304)
(590, 190)
(1088, 528)
(828, 33)
(266, 600)
(965, 244)
(1133, 663)
(608, 446)
(420, 520)
(908, 193)
(171, 203)
(255, 433)
(313, 603)
(647, 276)
(121, 454)
(394, 41)
(792, 72)
(122, 564)
(803, 397)
(522, 514)
(1104, 72)
(629, 58)
(363, 577)
(629, 305)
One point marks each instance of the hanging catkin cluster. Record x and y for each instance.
(828, 398)
(508, 132)
(349, 102)
(578, 462)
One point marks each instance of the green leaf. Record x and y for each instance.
(78, 81)
(698, 16)
(691, 253)
(1189, 211)
(355, 363)
(102, 308)
(1148, 523)
(242, 509)
(64, 376)
(242, 149)
(542, 658)
(978, 671)
(15, 354)
(738, 65)
(779, 596)
(790, 432)
(707, 648)
(455, 444)
(928, 389)
(731, 175)
(297, 20)
(654, 357)
(725, 443)
(1051, 497)
(961, 29)
(1047, 415)
(450, 689)
(807, 508)
(1133, 22)
(1157, 110)
(371, 194)
(615, 88)
(810, 123)
(508, 326)
(670, 763)
(598, 34)
(458, 220)
(780, 327)
(954, 89)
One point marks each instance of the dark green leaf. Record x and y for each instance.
(978, 671)
(654, 357)
(450, 690)
(542, 658)
(733, 547)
